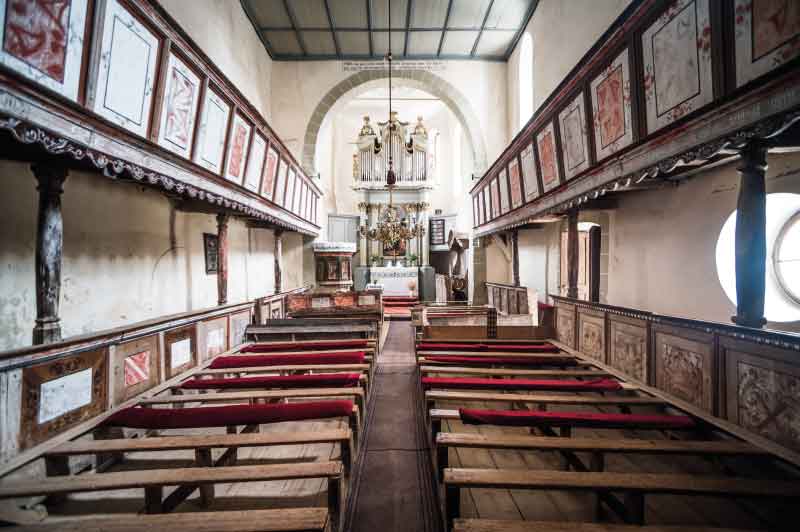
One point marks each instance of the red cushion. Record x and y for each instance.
(470, 383)
(504, 361)
(223, 416)
(517, 348)
(574, 419)
(298, 346)
(345, 357)
(319, 380)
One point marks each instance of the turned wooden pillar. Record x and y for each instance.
(572, 253)
(222, 251)
(751, 236)
(515, 256)
(49, 244)
(278, 259)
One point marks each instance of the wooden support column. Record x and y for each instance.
(751, 236)
(572, 253)
(222, 274)
(49, 245)
(515, 256)
(278, 259)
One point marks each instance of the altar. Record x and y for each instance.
(396, 280)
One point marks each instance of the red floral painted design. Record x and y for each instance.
(610, 110)
(237, 150)
(137, 368)
(36, 33)
(547, 153)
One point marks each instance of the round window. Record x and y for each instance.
(787, 257)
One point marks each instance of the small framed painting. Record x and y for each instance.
(574, 145)
(767, 35)
(611, 107)
(529, 174)
(255, 163)
(211, 135)
(505, 204)
(280, 185)
(44, 42)
(290, 186)
(237, 149)
(495, 189)
(211, 252)
(548, 162)
(124, 68)
(515, 183)
(179, 107)
(676, 52)
(270, 169)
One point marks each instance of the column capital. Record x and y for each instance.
(50, 176)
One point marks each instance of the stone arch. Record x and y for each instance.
(419, 79)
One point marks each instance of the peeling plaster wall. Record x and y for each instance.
(223, 31)
(128, 256)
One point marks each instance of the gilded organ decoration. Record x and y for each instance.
(407, 148)
(769, 403)
(684, 369)
(628, 349)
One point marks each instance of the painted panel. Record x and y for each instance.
(271, 167)
(135, 366)
(487, 211)
(59, 394)
(237, 149)
(574, 137)
(238, 326)
(214, 339)
(366, 300)
(280, 187)
(548, 163)
(179, 107)
(676, 52)
(505, 203)
(529, 173)
(290, 186)
(211, 135)
(255, 163)
(767, 35)
(321, 302)
(181, 350)
(125, 68)
(611, 107)
(592, 335)
(565, 324)
(43, 41)
(515, 183)
(495, 189)
(684, 368)
(628, 347)
(763, 397)
(476, 221)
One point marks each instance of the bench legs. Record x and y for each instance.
(452, 505)
(335, 502)
(153, 500)
(203, 459)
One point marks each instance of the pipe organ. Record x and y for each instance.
(408, 150)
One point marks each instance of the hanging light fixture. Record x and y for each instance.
(390, 229)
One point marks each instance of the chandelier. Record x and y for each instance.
(390, 229)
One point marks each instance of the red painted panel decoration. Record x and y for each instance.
(547, 158)
(767, 35)
(137, 368)
(268, 185)
(516, 185)
(611, 107)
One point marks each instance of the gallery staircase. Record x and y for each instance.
(398, 307)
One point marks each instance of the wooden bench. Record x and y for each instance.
(493, 525)
(493, 354)
(508, 372)
(223, 372)
(153, 481)
(282, 520)
(633, 485)
(432, 396)
(598, 447)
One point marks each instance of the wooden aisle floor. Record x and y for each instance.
(393, 491)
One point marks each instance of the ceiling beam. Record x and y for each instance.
(246, 7)
(446, 22)
(483, 26)
(294, 27)
(525, 21)
(333, 29)
(369, 27)
(409, 3)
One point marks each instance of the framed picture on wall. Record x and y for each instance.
(270, 170)
(123, 69)
(237, 149)
(211, 252)
(179, 107)
(45, 46)
(211, 134)
(255, 163)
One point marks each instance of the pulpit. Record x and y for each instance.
(333, 263)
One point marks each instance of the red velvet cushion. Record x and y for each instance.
(517, 348)
(345, 357)
(297, 346)
(574, 419)
(319, 380)
(223, 416)
(504, 361)
(470, 383)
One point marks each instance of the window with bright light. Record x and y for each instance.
(782, 286)
(525, 79)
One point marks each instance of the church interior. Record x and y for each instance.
(400, 265)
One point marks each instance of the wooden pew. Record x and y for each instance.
(495, 525)
(154, 480)
(269, 370)
(635, 486)
(282, 520)
(509, 372)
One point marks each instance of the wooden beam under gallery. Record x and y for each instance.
(222, 250)
(278, 259)
(572, 253)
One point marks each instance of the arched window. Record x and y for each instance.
(787, 257)
(525, 79)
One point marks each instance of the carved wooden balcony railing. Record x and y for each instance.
(152, 108)
(646, 104)
(507, 299)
